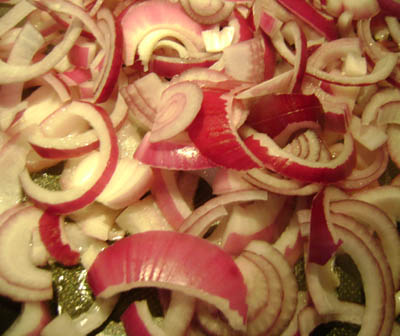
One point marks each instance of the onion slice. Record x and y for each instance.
(213, 133)
(173, 261)
(67, 201)
(178, 106)
(276, 159)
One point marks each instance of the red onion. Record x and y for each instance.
(178, 106)
(50, 227)
(288, 111)
(34, 317)
(73, 199)
(15, 235)
(311, 16)
(228, 296)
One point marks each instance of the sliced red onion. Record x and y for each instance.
(108, 76)
(137, 320)
(244, 29)
(364, 176)
(12, 154)
(300, 44)
(257, 221)
(268, 180)
(142, 216)
(22, 73)
(370, 136)
(130, 181)
(195, 218)
(169, 248)
(58, 143)
(369, 257)
(141, 19)
(15, 15)
(142, 97)
(137, 317)
(311, 16)
(177, 108)
(17, 271)
(171, 155)
(33, 318)
(50, 227)
(169, 198)
(212, 132)
(21, 53)
(275, 85)
(228, 180)
(378, 221)
(391, 7)
(82, 53)
(208, 12)
(74, 11)
(323, 241)
(244, 60)
(95, 316)
(70, 200)
(266, 251)
(62, 322)
(281, 115)
(168, 67)
(263, 286)
(58, 85)
(293, 328)
(269, 24)
(384, 197)
(289, 165)
(393, 133)
(290, 243)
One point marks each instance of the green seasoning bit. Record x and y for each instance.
(49, 178)
(113, 329)
(72, 293)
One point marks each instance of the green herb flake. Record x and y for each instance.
(72, 292)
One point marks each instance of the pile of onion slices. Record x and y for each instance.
(203, 149)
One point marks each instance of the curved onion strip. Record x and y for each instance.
(171, 155)
(75, 11)
(13, 291)
(287, 278)
(300, 61)
(170, 272)
(288, 165)
(22, 73)
(27, 44)
(382, 69)
(73, 146)
(108, 76)
(281, 115)
(321, 229)
(212, 132)
(33, 318)
(15, 235)
(169, 198)
(267, 180)
(50, 228)
(141, 18)
(240, 196)
(70, 200)
(379, 222)
(178, 106)
(208, 12)
(310, 15)
(15, 15)
(360, 178)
